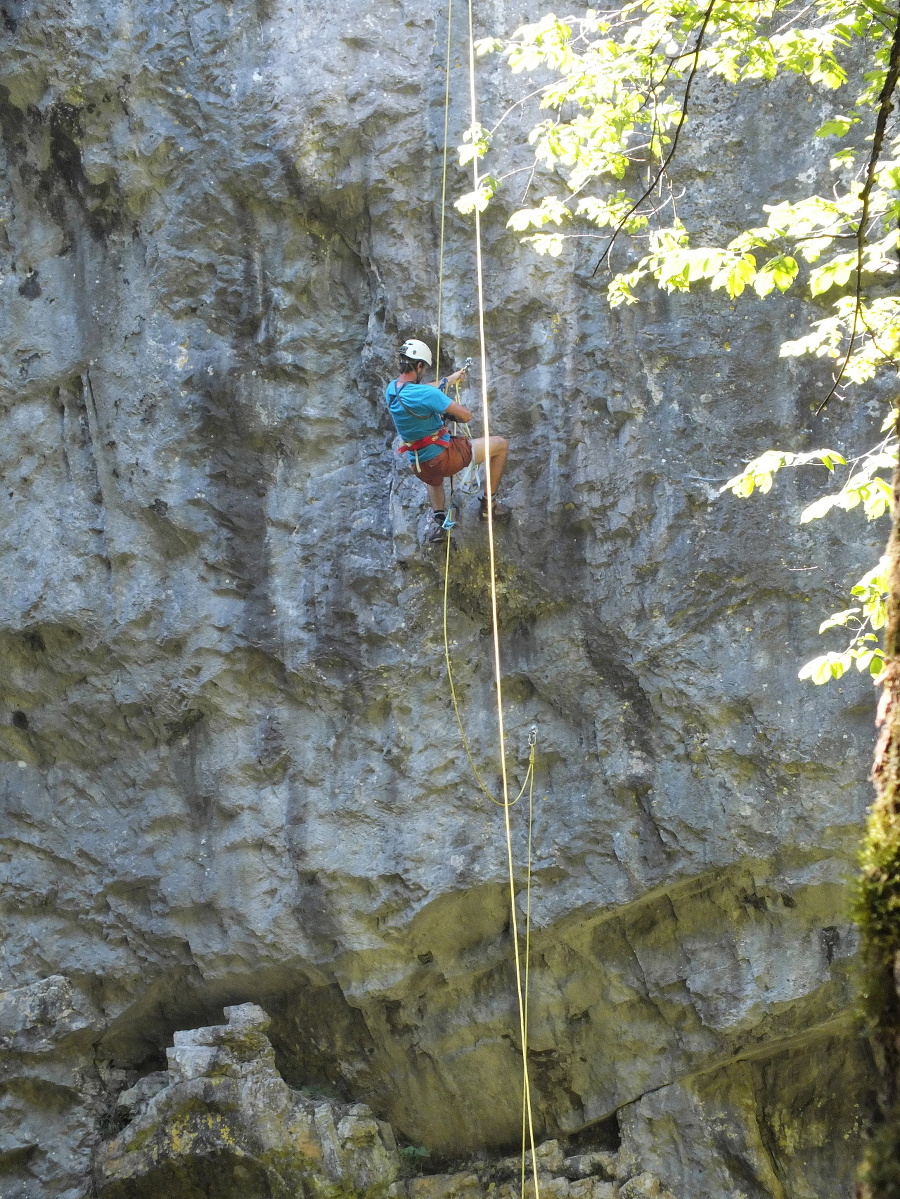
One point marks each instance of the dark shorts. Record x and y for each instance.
(448, 462)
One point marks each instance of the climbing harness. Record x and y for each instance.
(441, 437)
(505, 802)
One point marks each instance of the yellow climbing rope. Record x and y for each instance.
(440, 303)
(455, 701)
(527, 1117)
(522, 977)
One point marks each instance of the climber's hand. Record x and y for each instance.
(457, 375)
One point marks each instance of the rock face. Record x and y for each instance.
(54, 1100)
(231, 771)
(222, 1121)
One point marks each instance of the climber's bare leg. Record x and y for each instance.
(497, 447)
(436, 498)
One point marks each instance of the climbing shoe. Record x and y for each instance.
(437, 532)
(498, 511)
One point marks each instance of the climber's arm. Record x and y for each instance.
(458, 412)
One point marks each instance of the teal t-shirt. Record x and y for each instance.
(427, 402)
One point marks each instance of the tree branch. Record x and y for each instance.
(671, 154)
(885, 104)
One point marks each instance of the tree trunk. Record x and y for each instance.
(877, 904)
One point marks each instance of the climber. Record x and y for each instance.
(418, 410)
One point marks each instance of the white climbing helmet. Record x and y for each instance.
(416, 351)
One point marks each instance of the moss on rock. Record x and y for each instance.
(520, 598)
(877, 912)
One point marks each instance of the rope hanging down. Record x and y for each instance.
(455, 701)
(495, 624)
(505, 802)
(440, 303)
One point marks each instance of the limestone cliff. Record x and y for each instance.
(222, 1121)
(230, 771)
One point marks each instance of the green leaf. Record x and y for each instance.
(834, 273)
(819, 508)
(827, 457)
(479, 198)
(839, 618)
(525, 218)
(878, 499)
(621, 287)
(778, 272)
(547, 243)
(836, 126)
(826, 667)
(830, 459)
(476, 141)
(758, 473)
(734, 278)
(551, 209)
(842, 159)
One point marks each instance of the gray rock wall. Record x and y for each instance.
(230, 766)
(220, 1120)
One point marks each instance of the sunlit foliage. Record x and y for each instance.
(617, 99)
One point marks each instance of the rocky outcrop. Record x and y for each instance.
(230, 771)
(54, 1099)
(222, 1120)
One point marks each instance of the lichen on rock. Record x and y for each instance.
(223, 1119)
(229, 766)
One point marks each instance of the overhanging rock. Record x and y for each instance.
(222, 1121)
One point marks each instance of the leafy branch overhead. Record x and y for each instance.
(616, 94)
(619, 95)
(864, 488)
